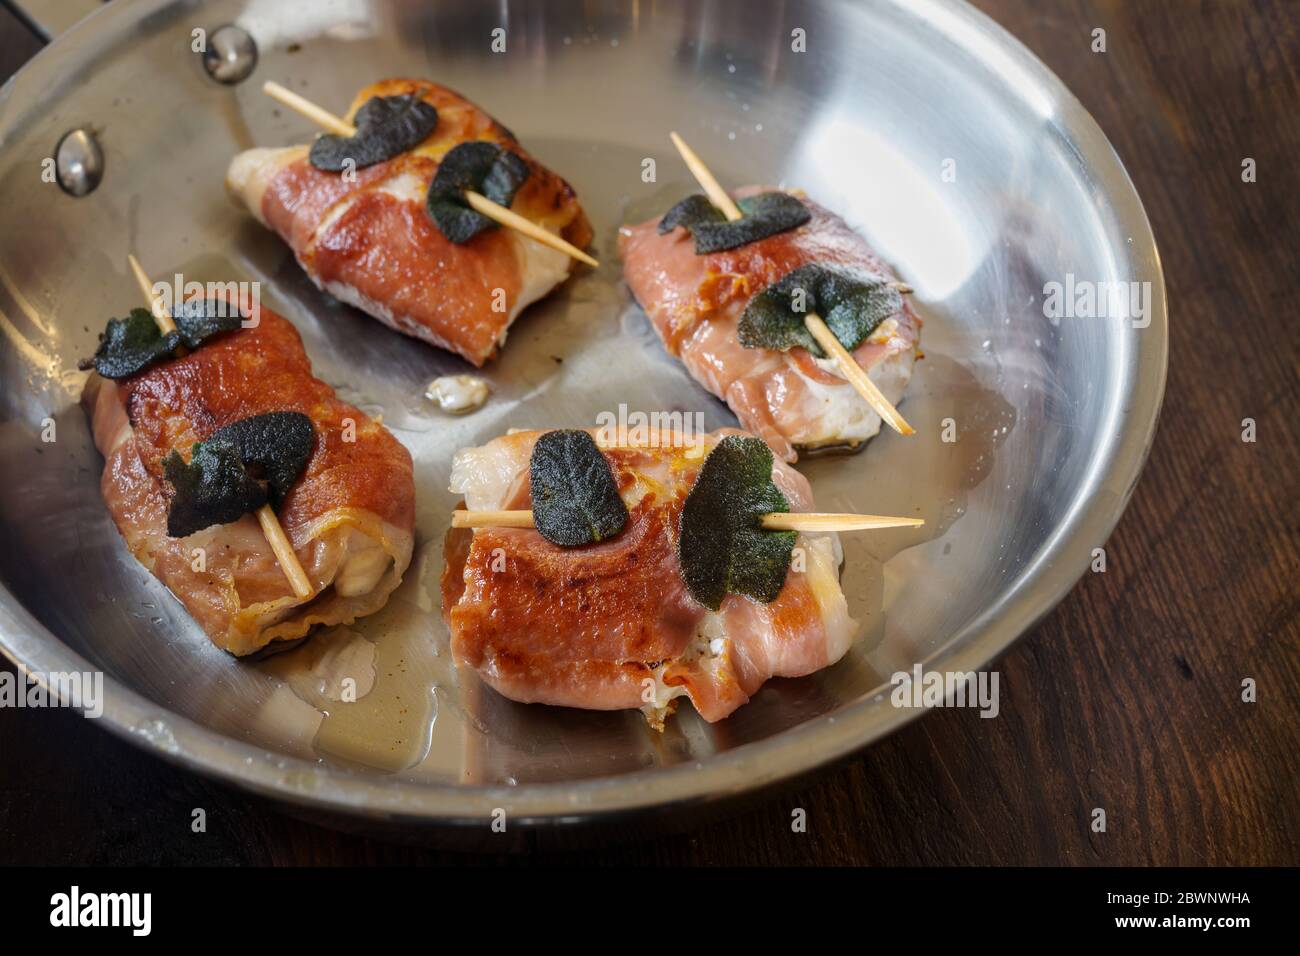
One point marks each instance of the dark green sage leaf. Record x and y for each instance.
(212, 488)
(722, 549)
(851, 306)
(766, 214)
(575, 498)
(200, 319)
(387, 126)
(130, 345)
(483, 167)
(278, 443)
(238, 469)
(689, 213)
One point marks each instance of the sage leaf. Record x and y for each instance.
(689, 213)
(241, 467)
(764, 215)
(722, 548)
(387, 126)
(200, 319)
(575, 498)
(484, 167)
(130, 345)
(212, 488)
(852, 306)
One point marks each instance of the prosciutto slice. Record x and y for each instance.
(350, 515)
(611, 626)
(790, 399)
(367, 238)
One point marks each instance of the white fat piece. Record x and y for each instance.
(109, 423)
(457, 394)
(364, 564)
(485, 475)
(251, 171)
(839, 414)
(541, 269)
(822, 555)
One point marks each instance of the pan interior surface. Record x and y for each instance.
(961, 158)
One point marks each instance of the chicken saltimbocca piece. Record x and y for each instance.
(612, 625)
(364, 233)
(350, 513)
(792, 399)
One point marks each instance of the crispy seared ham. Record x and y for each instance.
(598, 626)
(350, 515)
(370, 242)
(791, 399)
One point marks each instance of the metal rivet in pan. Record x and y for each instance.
(79, 162)
(230, 55)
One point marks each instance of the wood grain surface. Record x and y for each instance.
(1127, 697)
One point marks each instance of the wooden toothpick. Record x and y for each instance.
(773, 521)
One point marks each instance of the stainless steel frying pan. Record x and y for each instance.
(957, 153)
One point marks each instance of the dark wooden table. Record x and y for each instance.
(1127, 697)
